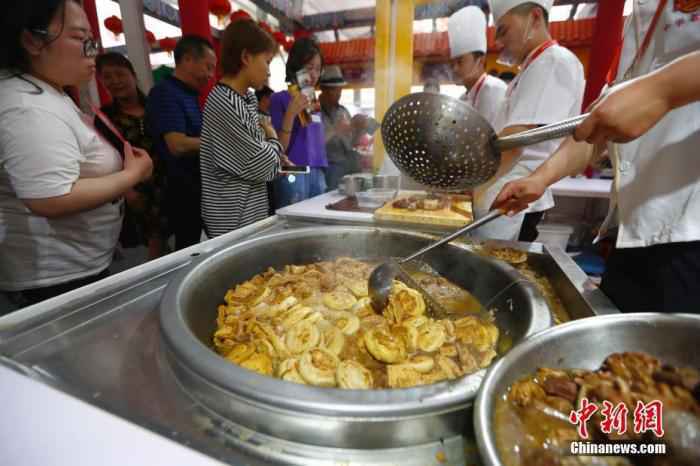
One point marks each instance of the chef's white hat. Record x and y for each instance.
(501, 7)
(466, 30)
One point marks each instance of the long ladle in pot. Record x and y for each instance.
(382, 277)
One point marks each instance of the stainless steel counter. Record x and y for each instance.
(102, 344)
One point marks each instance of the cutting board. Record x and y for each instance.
(457, 213)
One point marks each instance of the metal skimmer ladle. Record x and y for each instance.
(382, 278)
(445, 143)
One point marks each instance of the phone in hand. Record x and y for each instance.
(295, 169)
(306, 87)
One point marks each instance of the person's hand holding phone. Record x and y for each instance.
(284, 160)
(298, 104)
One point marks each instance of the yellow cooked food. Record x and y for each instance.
(513, 256)
(302, 337)
(352, 374)
(314, 324)
(318, 367)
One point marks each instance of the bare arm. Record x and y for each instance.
(285, 133)
(679, 80)
(298, 103)
(181, 145)
(89, 193)
(570, 159)
(633, 108)
(510, 158)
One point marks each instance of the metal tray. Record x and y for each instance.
(101, 344)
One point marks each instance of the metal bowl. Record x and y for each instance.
(386, 181)
(361, 419)
(350, 185)
(584, 344)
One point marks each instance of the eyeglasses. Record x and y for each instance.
(91, 48)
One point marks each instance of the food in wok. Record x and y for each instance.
(313, 324)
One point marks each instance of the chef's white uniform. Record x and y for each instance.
(548, 89)
(486, 96)
(656, 193)
(466, 32)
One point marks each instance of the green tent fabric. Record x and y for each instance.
(162, 72)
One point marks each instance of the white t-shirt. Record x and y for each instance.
(46, 145)
(656, 194)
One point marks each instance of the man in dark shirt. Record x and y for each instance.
(342, 158)
(174, 120)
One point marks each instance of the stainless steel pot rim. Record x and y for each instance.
(487, 393)
(269, 391)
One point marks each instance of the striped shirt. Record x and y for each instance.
(236, 161)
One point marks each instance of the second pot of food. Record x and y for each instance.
(625, 368)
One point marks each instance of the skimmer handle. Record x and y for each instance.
(543, 133)
(493, 215)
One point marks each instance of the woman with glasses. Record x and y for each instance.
(304, 143)
(144, 223)
(61, 184)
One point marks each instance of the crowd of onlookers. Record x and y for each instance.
(218, 168)
(155, 170)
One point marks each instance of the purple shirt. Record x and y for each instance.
(307, 145)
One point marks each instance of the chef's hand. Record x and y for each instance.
(517, 195)
(626, 113)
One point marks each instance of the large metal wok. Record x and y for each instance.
(332, 417)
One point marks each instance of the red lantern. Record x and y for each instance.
(150, 38)
(114, 25)
(220, 9)
(168, 44)
(265, 27)
(239, 14)
(288, 43)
